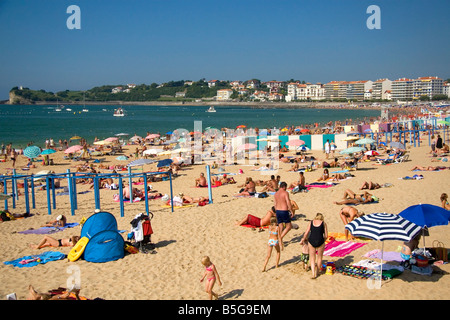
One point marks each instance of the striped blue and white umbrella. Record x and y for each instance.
(383, 226)
(141, 162)
(32, 152)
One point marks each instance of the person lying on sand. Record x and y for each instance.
(370, 185)
(258, 222)
(429, 168)
(34, 295)
(352, 198)
(48, 241)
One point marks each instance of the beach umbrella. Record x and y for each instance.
(365, 141)
(152, 136)
(112, 139)
(4, 196)
(164, 163)
(102, 142)
(352, 150)
(140, 162)
(134, 138)
(447, 123)
(152, 151)
(426, 215)
(73, 149)
(284, 129)
(75, 138)
(305, 130)
(368, 130)
(295, 143)
(177, 160)
(247, 146)
(350, 138)
(32, 152)
(381, 227)
(397, 145)
(122, 158)
(371, 153)
(121, 134)
(169, 132)
(241, 126)
(47, 152)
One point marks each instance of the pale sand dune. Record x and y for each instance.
(187, 234)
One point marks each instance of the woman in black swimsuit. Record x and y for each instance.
(316, 233)
(48, 241)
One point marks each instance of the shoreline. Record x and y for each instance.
(255, 105)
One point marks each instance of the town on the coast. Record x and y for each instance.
(399, 91)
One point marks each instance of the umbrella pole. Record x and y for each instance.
(381, 267)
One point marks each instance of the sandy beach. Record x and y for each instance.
(184, 236)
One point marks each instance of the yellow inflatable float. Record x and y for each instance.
(78, 249)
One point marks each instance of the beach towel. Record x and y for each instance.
(49, 230)
(414, 177)
(341, 248)
(178, 207)
(34, 260)
(341, 236)
(387, 255)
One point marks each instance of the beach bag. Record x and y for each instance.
(4, 216)
(441, 251)
(263, 195)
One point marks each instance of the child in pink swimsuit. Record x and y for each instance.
(211, 275)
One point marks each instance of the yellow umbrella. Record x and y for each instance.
(75, 138)
(102, 142)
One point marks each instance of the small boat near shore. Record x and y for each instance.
(211, 109)
(119, 112)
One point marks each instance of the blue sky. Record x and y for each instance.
(146, 41)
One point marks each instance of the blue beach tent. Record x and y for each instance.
(105, 242)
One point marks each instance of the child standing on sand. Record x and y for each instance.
(274, 242)
(304, 257)
(211, 275)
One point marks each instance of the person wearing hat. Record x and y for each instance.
(60, 221)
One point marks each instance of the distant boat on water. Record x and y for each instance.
(119, 112)
(85, 110)
(211, 109)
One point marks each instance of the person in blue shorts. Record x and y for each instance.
(283, 209)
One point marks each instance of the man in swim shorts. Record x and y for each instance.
(283, 209)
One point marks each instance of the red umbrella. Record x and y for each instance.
(241, 126)
(304, 130)
(152, 136)
(371, 153)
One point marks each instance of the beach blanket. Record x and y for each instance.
(359, 272)
(387, 255)
(49, 230)
(34, 260)
(336, 248)
(414, 177)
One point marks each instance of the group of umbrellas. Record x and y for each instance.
(403, 226)
(364, 141)
(32, 152)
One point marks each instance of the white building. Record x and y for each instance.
(380, 87)
(402, 89)
(446, 89)
(224, 94)
(427, 86)
(298, 91)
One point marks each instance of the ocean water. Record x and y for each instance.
(21, 124)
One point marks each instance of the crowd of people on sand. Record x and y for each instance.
(279, 218)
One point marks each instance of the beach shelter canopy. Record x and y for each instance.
(140, 162)
(426, 215)
(352, 150)
(32, 152)
(73, 149)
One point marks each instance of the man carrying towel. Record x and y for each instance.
(283, 209)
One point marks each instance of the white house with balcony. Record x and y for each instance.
(224, 94)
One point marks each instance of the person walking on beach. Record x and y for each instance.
(283, 209)
(316, 233)
(327, 148)
(211, 276)
(274, 242)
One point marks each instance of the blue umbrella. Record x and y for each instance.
(32, 152)
(365, 141)
(164, 163)
(426, 215)
(47, 151)
(122, 158)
